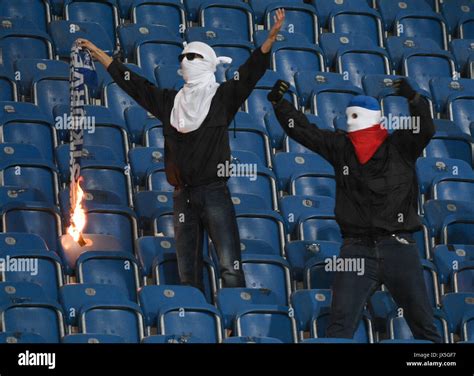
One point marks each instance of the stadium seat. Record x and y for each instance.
(131, 34)
(358, 21)
(453, 188)
(462, 49)
(460, 110)
(37, 12)
(143, 127)
(18, 42)
(325, 8)
(449, 258)
(332, 42)
(423, 65)
(147, 203)
(467, 326)
(456, 306)
(463, 278)
(466, 26)
(14, 292)
(318, 183)
(43, 318)
(390, 10)
(143, 158)
(92, 338)
(445, 88)
(397, 46)
(21, 242)
(8, 86)
(422, 24)
(363, 333)
(355, 63)
(171, 338)
(169, 13)
(309, 304)
(451, 145)
(305, 81)
(102, 12)
(17, 337)
(25, 123)
(40, 267)
(261, 224)
(34, 218)
(64, 34)
(234, 15)
(299, 18)
(268, 272)
(74, 296)
(124, 320)
(112, 268)
(231, 301)
(263, 340)
(454, 10)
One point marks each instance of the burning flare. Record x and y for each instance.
(78, 215)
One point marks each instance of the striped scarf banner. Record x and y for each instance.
(82, 73)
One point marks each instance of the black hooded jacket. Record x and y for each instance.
(376, 198)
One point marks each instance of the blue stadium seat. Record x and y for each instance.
(456, 306)
(150, 54)
(363, 333)
(73, 296)
(40, 317)
(445, 88)
(318, 183)
(17, 337)
(463, 278)
(25, 123)
(231, 301)
(112, 268)
(143, 127)
(148, 203)
(467, 326)
(266, 321)
(332, 42)
(124, 7)
(358, 21)
(397, 46)
(156, 179)
(449, 258)
(390, 10)
(18, 42)
(234, 15)
(355, 63)
(8, 86)
(292, 146)
(325, 8)
(64, 34)
(466, 26)
(299, 18)
(124, 320)
(37, 11)
(380, 85)
(268, 272)
(461, 111)
(92, 338)
(116, 99)
(143, 158)
(330, 101)
(171, 339)
(263, 340)
(462, 49)
(454, 10)
(300, 253)
(42, 268)
(423, 65)
(167, 77)
(261, 224)
(14, 292)
(169, 13)
(291, 57)
(21, 242)
(131, 34)
(306, 81)
(422, 24)
(309, 304)
(452, 145)
(315, 226)
(102, 12)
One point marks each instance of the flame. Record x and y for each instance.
(78, 216)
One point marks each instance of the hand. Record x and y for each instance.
(278, 20)
(96, 52)
(403, 88)
(278, 91)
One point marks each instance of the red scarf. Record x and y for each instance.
(367, 141)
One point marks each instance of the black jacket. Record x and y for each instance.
(379, 197)
(192, 158)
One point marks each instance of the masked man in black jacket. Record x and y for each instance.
(376, 205)
(195, 126)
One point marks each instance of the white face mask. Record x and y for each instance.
(196, 71)
(361, 118)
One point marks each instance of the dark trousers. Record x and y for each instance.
(398, 267)
(208, 207)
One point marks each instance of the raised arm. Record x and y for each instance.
(143, 91)
(411, 142)
(297, 126)
(254, 68)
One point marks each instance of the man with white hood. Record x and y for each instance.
(376, 205)
(195, 126)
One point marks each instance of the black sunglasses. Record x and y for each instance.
(190, 56)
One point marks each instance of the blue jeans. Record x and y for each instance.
(397, 265)
(208, 207)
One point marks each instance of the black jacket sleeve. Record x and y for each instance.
(143, 91)
(296, 125)
(241, 85)
(411, 142)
